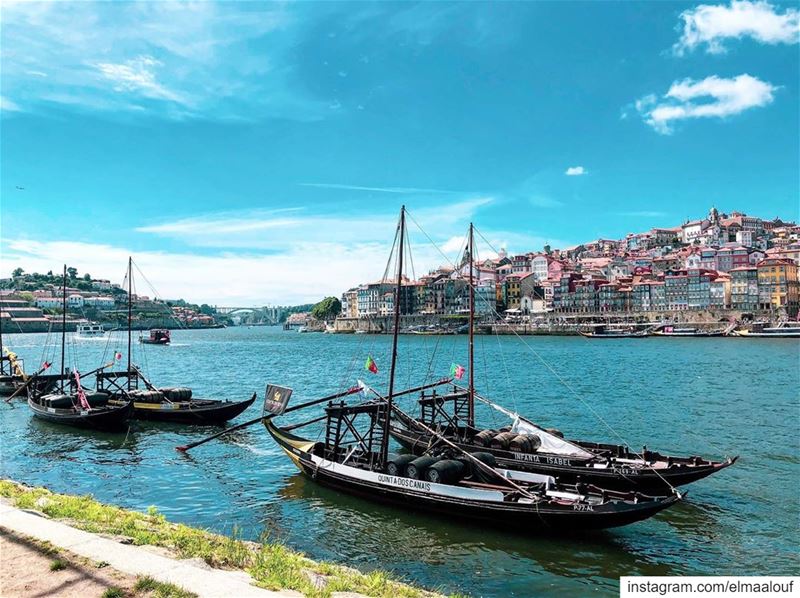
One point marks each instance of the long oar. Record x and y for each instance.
(349, 391)
(28, 381)
(340, 395)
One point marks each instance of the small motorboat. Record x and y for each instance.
(90, 330)
(158, 336)
(602, 331)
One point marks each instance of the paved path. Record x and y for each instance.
(135, 560)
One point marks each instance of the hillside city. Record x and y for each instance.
(723, 262)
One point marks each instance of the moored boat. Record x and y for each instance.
(445, 479)
(670, 330)
(759, 330)
(69, 404)
(167, 404)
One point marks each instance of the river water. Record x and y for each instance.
(713, 397)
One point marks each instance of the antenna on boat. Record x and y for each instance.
(471, 399)
(63, 324)
(398, 290)
(130, 308)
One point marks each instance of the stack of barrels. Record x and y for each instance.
(506, 440)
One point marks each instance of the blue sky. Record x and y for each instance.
(258, 152)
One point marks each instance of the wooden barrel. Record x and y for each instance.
(179, 393)
(555, 432)
(396, 464)
(525, 443)
(147, 396)
(484, 437)
(446, 471)
(416, 469)
(478, 472)
(502, 440)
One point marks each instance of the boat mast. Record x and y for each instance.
(471, 399)
(130, 307)
(398, 290)
(63, 324)
(2, 355)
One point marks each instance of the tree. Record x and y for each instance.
(87, 277)
(72, 272)
(17, 272)
(207, 310)
(328, 308)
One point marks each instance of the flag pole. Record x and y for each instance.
(471, 400)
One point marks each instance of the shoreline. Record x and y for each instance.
(271, 568)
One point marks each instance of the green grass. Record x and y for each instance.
(113, 592)
(57, 565)
(148, 585)
(271, 565)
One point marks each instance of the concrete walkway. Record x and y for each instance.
(135, 560)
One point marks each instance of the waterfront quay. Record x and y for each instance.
(721, 268)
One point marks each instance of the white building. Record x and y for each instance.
(48, 302)
(745, 238)
(539, 265)
(103, 302)
(75, 301)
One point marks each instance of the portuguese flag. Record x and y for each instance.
(371, 365)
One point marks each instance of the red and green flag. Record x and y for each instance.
(370, 365)
(457, 371)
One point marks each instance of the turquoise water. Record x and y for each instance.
(713, 397)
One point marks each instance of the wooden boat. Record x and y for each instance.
(101, 415)
(70, 405)
(12, 369)
(354, 458)
(524, 446)
(158, 336)
(167, 404)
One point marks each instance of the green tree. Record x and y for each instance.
(17, 272)
(207, 310)
(72, 272)
(87, 277)
(328, 308)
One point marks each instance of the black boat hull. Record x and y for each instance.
(196, 411)
(112, 418)
(503, 514)
(570, 471)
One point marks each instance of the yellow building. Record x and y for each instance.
(778, 285)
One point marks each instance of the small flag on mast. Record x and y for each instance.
(117, 355)
(457, 371)
(370, 365)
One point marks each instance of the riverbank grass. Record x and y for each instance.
(271, 565)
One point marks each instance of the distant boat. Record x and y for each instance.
(603, 332)
(688, 331)
(782, 330)
(90, 330)
(158, 336)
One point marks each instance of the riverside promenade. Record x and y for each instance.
(136, 561)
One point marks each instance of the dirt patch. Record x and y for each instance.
(33, 569)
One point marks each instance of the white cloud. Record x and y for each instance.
(7, 105)
(137, 75)
(710, 25)
(270, 257)
(713, 97)
(576, 171)
(170, 59)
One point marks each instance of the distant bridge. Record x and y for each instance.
(254, 315)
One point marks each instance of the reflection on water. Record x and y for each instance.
(693, 396)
